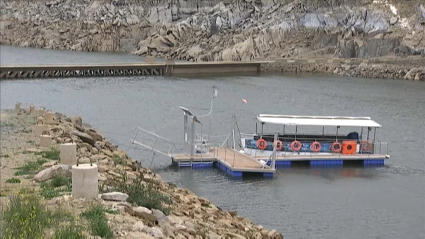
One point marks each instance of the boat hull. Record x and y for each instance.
(285, 157)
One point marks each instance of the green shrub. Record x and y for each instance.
(110, 211)
(97, 221)
(100, 227)
(13, 180)
(143, 195)
(30, 167)
(50, 188)
(94, 211)
(25, 217)
(69, 232)
(118, 160)
(49, 193)
(52, 154)
(59, 181)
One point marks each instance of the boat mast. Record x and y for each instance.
(233, 131)
(274, 154)
(212, 100)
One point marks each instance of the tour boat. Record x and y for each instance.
(318, 149)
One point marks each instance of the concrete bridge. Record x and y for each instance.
(170, 67)
(147, 68)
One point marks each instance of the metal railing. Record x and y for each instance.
(169, 151)
(381, 144)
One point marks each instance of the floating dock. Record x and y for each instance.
(230, 161)
(148, 68)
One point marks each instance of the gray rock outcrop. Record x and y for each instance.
(217, 30)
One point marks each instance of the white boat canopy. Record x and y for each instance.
(295, 120)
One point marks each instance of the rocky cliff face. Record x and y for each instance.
(219, 30)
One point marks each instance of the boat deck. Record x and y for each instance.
(228, 160)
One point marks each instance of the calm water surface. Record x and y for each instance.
(384, 202)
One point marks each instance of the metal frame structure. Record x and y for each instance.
(189, 141)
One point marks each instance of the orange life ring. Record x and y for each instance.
(296, 145)
(315, 146)
(366, 146)
(278, 144)
(262, 144)
(336, 147)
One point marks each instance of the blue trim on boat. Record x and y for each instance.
(374, 162)
(327, 162)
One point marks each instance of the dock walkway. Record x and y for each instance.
(228, 160)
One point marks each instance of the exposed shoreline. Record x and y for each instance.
(190, 216)
(407, 68)
(231, 31)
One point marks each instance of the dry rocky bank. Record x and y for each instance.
(228, 30)
(190, 216)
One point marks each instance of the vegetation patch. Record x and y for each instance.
(7, 124)
(26, 131)
(59, 181)
(30, 167)
(25, 216)
(69, 232)
(118, 161)
(52, 154)
(98, 222)
(55, 186)
(143, 193)
(13, 180)
(49, 193)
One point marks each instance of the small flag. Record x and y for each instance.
(246, 102)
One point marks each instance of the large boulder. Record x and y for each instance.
(413, 44)
(56, 170)
(114, 196)
(84, 137)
